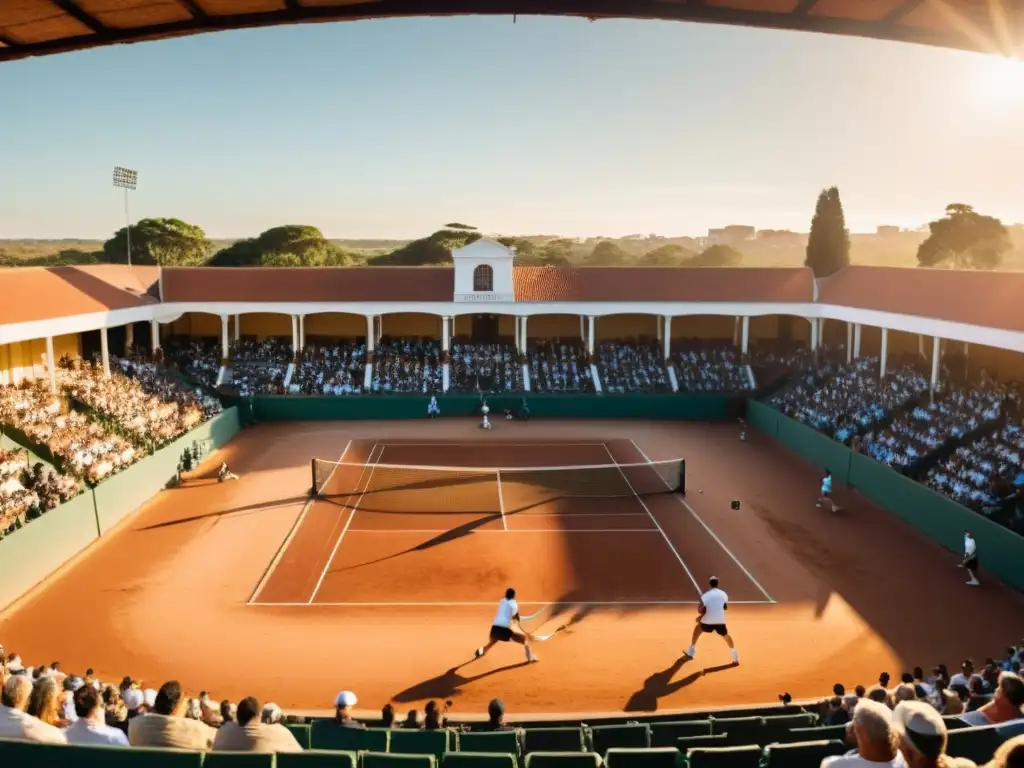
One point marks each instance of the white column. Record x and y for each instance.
(660, 329)
(51, 364)
(814, 335)
(105, 352)
(745, 337)
(445, 334)
(154, 336)
(885, 351)
(129, 338)
(369, 333)
(849, 343)
(936, 354)
(518, 327)
(523, 335)
(302, 332)
(590, 334)
(856, 341)
(238, 328)
(224, 350)
(667, 340)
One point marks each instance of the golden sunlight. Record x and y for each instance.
(1003, 83)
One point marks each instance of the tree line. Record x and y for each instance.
(961, 239)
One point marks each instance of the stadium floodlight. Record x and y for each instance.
(128, 180)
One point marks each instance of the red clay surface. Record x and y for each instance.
(245, 588)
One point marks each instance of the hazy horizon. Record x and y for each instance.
(388, 129)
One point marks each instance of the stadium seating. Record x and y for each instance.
(491, 741)
(801, 754)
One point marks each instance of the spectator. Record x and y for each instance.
(1005, 705)
(251, 735)
(877, 743)
(115, 711)
(227, 711)
(387, 716)
(167, 726)
(90, 728)
(412, 720)
(922, 737)
(271, 714)
(1010, 754)
(16, 723)
(46, 702)
(432, 718)
(836, 713)
(559, 366)
(963, 677)
(343, 704)
(626, 366)
(710, 369)
(134, 702)
(495, 717)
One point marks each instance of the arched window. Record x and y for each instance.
(483, 278)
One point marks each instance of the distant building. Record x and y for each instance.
(731, 235)
(887, 231)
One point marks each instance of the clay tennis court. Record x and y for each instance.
(387, 582)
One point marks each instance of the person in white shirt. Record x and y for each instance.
(971, 559)
(90, 728)
(877, 740)
(16, 723)
(711, 618)
(224, 473)
(486, 423)
(826, 493)
(501, 628)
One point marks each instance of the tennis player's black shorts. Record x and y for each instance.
(971, 563)
(720, 629)
(501, 634)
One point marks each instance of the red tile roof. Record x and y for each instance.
(987, 299)
(663, 284)
(312, 284)
(41, 293)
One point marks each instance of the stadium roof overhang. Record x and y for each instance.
(43, 27)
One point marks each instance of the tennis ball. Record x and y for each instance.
(700, 490)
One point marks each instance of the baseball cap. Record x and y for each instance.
(345, 699)
(922, 726)
(150, 697)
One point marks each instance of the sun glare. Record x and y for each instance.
(1003, 81)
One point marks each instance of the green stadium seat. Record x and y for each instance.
(666, 734)
(434, 743)
(1009, 730)
(239, 760)
(954, 723)
(553, 740)
(324, 734)
(725, 757)
(479, 760)
(740, 730)
(301, 733)
(656, 757)
(497, 742)
(777, 727)
(684, 743)
(317, 758)
(977, 744)
(382, 760)
(563, 760)
(802, 754)
(635, 735)
(818, 733)
(25, 753)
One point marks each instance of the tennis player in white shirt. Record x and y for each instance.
(711, 618)
(501, 628)
(971, 559)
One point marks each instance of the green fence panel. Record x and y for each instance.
(815, 447)
(763, 418)
(14, 439)
(130, 489)
(29, 555)
(940, 518)
(669, 407)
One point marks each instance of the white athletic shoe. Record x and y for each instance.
(735, 656)
(530, 658)
(691, 651)
(479, 653)
(973, 583)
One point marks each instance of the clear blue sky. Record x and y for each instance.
(391, 128)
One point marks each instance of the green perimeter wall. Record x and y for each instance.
(670, 407)
(932, 514)
(31, 554)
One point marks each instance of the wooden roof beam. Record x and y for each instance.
(7, 41)
(804, 7)
(194, 10)
(70, 7)
(904, 9)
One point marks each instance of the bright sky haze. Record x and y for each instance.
(547, 126)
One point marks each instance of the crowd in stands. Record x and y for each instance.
(845, 400)
(559, 366)
(710, 368)
(891, 725)
(331, 369)
(259, 366)
(476, 367)
(199, 360)
(407, 365)
(631, 366)
(28, 491)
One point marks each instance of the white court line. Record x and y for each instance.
(653, 520)
(348, 522)
(567, 604)
(641, 451)
(501, 503)
(508, 530)
(291, 534)
(482, 444)
(707, 528)
(582, 514)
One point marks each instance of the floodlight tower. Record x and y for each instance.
(128, 180)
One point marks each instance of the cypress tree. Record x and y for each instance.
(828, 247)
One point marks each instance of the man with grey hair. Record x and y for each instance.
(1005, 705)
(877, 742)
(16, 723)
(923, 736)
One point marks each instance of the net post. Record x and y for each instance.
(682, 478)
(313, 492)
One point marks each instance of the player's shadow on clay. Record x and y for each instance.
(660, 684)
(447, 685)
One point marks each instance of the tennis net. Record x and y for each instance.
(332, 479)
